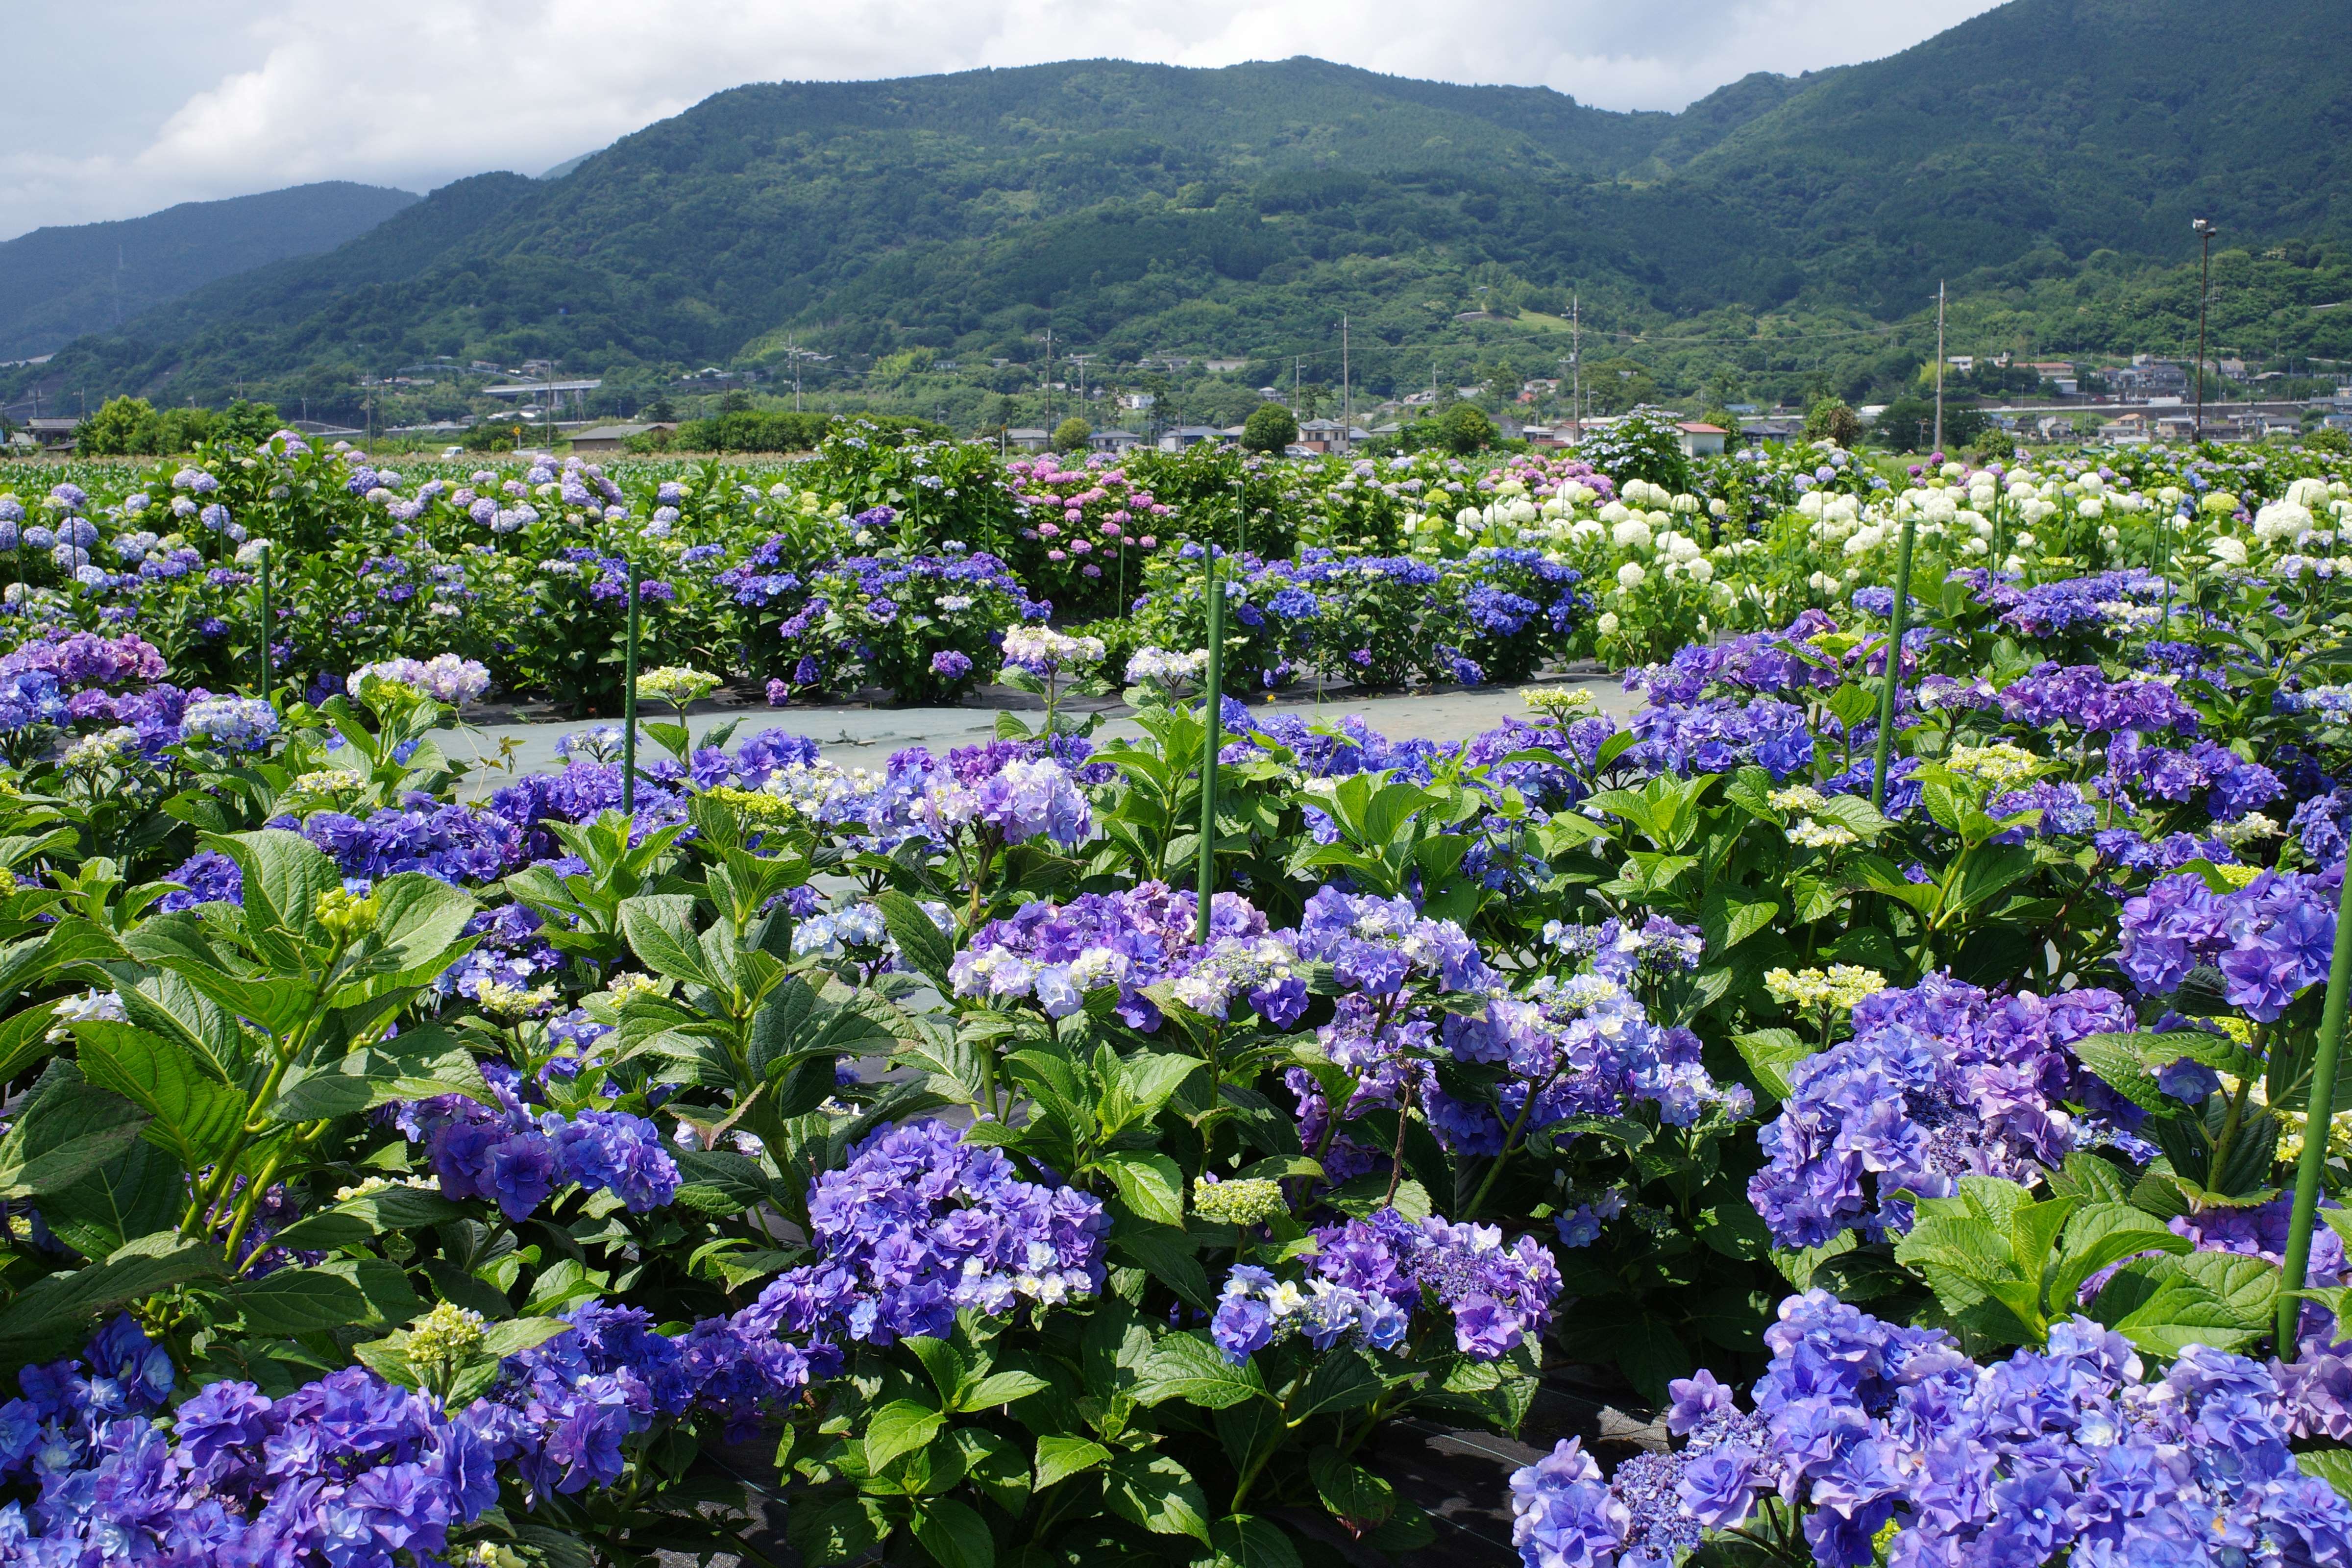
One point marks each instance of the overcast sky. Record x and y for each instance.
(121, 107)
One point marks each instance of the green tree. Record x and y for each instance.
(119, 426)
(1463, 429)
(1618, 385)
(251, 423)
(1503, 380)
(1269, 429)
(1830, 419)
(1909, 425)
(494, 436)
(1070, 435)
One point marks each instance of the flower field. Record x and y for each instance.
(1888, 1056)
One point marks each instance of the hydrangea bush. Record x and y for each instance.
(490, 1171)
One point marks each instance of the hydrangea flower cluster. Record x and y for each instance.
(1375, 945)
(2066, 1454)
(2233, 786)
(2081, 697)
(562, 1409)
(1016, 800)
(1054, 954)
(1368, 1278)
(509, 1157)
(228, 724)
(2272, 939)
(1721, 734)
(1581, 1046)
(1043, 651)
(346, 1470)
(443, 678)
(1938, 1081)
(917, 1224)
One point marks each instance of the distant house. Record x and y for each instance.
(1323, 436)
(53, 435)
(1184, 435)
(1701, 440)
(1114, 441)
(2149, 378)
(1771, 429)
(1028, 438)
(1223, 367)
(1544, 435)
(610, 438)
(1136, 400)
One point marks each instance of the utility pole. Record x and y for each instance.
(1047, 386)
(1939, 367)
(1080, 361)
(1347, 403)
(2205, 233)
(1576, 358)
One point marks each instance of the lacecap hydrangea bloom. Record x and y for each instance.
(443, 678)
(1053, 955)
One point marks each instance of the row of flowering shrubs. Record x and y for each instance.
(402, 1165)
(898, 566)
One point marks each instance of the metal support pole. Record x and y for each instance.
(2318, 1116)
(1938, 447)
(629, 702)
(1211, 717)
(1894, 664)
(266, 628)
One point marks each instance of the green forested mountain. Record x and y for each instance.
(2045, 156)
(58, 283)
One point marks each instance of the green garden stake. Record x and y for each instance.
(629, 702)
(2319, 1115)
(1894, 664)
(1213, 713)
(264, 564)
(1241, 514)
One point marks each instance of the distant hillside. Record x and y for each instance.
(1138, 208)
(56, 284)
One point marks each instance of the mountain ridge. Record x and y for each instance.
(61, 281)
(1138, 208)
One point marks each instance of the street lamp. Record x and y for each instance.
(2205, 233)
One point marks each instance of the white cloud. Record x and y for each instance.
(225, 99)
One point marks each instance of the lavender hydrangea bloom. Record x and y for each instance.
(2272, 939)
(509, 1157)
(1938, 1081)
(2081, 697)
(1056, 954)
(230, 723)
(348, 1469)
(1370, 1276)
(917, 1224)
(2064, 1454)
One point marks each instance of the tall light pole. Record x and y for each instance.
(1347, 399)
(1576, 358)
(1939, 368)
(2205, 233)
